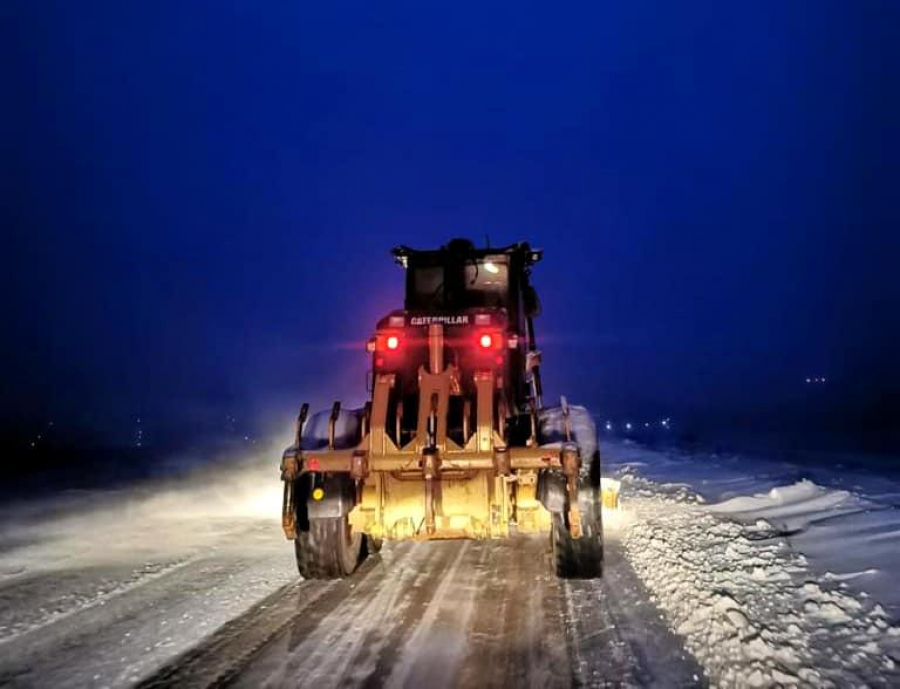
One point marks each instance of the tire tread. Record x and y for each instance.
(324, 553)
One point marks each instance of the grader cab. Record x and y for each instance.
(454, 441)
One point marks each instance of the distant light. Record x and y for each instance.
(393, 342)
(628, 426)
(491, 268)
(809, 380)
(608, 426)
(646, 424)
(486, 341)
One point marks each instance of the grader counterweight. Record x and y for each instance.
(454, 441)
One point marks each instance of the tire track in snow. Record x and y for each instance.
(624, 641)
(526, 646)
(132, 634)
(35, 620)
(442, 644)
(327, 632)
(343, 646)
(444, 613)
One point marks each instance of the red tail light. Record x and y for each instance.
(489, 348)
(389, 342)
(489, 340)
(386, 348)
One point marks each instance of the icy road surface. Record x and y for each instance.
(446, 614)
(442, 614)
(719, 571)
(192, 585)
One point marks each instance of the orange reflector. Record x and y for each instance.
(318, 494)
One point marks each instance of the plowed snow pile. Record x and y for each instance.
(750, 608)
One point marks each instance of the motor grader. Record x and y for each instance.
(454, 441)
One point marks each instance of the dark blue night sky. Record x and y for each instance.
(199, 199)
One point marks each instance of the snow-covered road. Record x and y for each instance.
(446, 614)
(453, 613)
(192, 583)
(111, 621)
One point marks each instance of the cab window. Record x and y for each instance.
(475, 283)
(427, 287)
(487, 282)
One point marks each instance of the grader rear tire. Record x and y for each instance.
(579, 558)
(373, 545)
(575, 558)
(329, 550)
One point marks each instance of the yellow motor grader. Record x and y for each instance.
(454, 441)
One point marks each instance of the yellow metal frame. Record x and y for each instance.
(432, 487)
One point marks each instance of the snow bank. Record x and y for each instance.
(792, 507)
(846, 523)
(751, 610)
